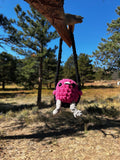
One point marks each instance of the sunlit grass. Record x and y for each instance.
(101, 92)
(15, 96)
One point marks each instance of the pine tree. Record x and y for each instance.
(4, 24)
(69, 68)
(27, 72)
(108, 53)
(85, 68)
(101, 74)
(7, 68)
(30, 37)
(49, 69)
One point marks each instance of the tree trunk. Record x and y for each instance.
(82, 84)
(40, 83)
(50, 85)
(3, 85)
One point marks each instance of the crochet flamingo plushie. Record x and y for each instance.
(67, 92)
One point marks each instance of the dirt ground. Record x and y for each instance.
(62, 137)
(56, 140)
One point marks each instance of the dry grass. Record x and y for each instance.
(29, 133)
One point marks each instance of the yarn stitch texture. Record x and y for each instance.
(67, 91)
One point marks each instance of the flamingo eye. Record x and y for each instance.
(60, 84)
(73, 85)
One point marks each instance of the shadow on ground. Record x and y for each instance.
(64, 124)
(12, 95)
(6, 107)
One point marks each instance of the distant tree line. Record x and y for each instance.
(25, 71)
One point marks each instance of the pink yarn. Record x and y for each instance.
(67, 91)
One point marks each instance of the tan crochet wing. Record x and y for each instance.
(54, 12)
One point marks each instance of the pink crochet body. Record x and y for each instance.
(67, 91)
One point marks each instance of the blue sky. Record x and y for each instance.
(96, 13)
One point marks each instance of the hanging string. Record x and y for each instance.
(75, 61)
(59, 61)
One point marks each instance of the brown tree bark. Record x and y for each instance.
(40, 82)
(3, 85)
